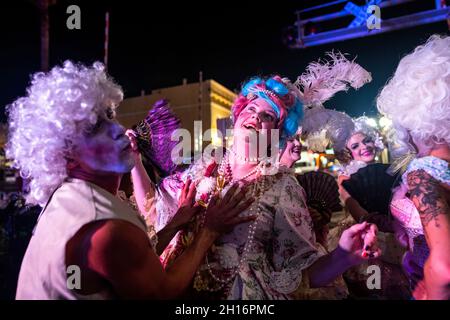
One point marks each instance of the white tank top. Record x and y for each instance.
(76, 203)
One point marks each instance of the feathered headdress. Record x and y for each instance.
(154, 136)
(324, 78)
(321, 81)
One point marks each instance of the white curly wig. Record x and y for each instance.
(45, 125)
(417, 97)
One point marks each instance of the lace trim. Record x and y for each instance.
(289, 279)
(435, 167)
(151, 232)
(351, 168)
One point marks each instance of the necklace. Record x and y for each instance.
(225, 170)
(243, 158)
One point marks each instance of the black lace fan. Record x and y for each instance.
(321, 191)
(371, 186)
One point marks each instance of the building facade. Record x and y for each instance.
(201, 103)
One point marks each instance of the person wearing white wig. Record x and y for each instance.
(88, 244)
(417, 100)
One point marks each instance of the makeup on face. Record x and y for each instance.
(105, 147)
(292, 152)
(361, 147)
(257, 115)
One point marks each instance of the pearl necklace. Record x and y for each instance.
(243, 158)
(251, 231)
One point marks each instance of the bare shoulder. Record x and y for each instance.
(108, 244)
(427, 195)
(118, 236)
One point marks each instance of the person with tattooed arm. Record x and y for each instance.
(419, 107)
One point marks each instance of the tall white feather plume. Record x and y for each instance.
(324, 78)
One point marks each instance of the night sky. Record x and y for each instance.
(155, 45)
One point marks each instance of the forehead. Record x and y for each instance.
(261, 104)
(294, 138)
(358, 137)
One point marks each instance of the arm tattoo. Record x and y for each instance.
(427, 197)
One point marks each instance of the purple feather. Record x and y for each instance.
(154, 136)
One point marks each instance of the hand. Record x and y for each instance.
(187, 206)
(382, 221)
(222, 215)
(344, 195)
(134, 146)
(320, 218)
(360, 243)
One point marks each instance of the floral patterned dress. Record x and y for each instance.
(283, 245)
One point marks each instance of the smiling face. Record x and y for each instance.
(105, 148)
(258, 117)
(292, 153)
(361, 147)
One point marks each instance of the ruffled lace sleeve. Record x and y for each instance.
(435, 167)
(294, 247)
(166, 200)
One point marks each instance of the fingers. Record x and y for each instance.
(243, 206)
(373, 230)
(370, 238)
(185, 191)
(196, 209)
(234, 201)
(371, 254)
(230, 193)
(213, 200)
(375, 254)
(356, 229)
(342, 178)
(239, 220)
(371, 249)
(186, 187)
(130, 133)
(191, 194)
(132, 137)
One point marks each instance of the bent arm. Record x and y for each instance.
(121, 254)
(327, 268)
(429, 198)
(358, 213)
(165, 235)
(355, 209)
(143, 188)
